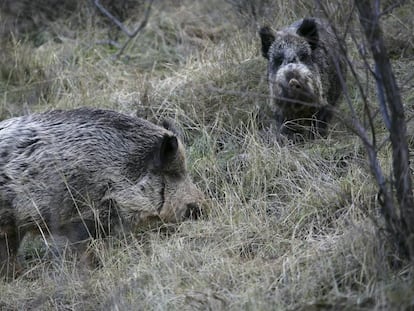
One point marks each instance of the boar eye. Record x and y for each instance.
(277, 60)
(162, 194)
(303, 56)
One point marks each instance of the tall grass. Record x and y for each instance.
(290, 227)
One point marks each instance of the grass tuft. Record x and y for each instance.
(289, 226)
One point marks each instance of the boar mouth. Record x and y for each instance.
(193, 212)
(151, 222)
(296, 93)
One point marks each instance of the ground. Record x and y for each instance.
(289, 226)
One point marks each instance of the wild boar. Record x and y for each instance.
(305, 68)
(88, 172)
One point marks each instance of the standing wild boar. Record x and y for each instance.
(86, 173)
(304, 71)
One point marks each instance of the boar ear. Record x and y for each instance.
(166, 152)
(308, 30)
(170, 125)
(267, 37)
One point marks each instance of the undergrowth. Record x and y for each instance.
(291, 226)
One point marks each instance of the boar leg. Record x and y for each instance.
(9, 243)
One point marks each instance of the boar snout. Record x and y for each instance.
(294, 84)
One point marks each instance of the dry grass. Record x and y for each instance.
(290, 225)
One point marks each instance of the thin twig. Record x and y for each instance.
(112, 18)
(389, 9)
(109, 42)
(131, 34)
(386, 197)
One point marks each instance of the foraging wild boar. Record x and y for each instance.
(304, 71)
(86, 173)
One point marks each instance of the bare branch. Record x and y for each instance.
(140, 27)
(131, 34)
(381, 99)
(392, 7)
(112, 18)
(109, 42)
(399, 213)
(402, 228)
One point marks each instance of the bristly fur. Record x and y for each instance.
(304, 67)
(88, 172)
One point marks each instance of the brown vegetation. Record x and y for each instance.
(292, 227)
